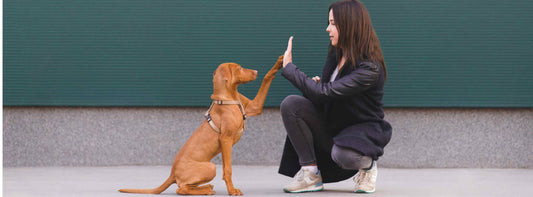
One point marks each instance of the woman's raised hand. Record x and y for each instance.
(287, 58)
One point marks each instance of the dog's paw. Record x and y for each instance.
(272, 73)
(279, 63)
(235, 192)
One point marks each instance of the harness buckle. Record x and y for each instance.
(208, 117)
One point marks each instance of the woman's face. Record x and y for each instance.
(332, 29)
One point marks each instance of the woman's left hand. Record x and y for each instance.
(287, 58)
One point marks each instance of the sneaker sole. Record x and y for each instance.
(363, 191)
(308, 189)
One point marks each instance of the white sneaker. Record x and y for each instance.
(365, 180)
(305, 181)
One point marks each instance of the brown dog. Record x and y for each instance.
(218, 133)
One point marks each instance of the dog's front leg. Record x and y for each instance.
(226, 144)
(255, 107)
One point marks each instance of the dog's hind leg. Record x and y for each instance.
(197, 174)
(195, 190)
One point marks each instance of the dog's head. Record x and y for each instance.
(232, 74)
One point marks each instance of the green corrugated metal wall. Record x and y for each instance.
(162, 53)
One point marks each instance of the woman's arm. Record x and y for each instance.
(364, 77)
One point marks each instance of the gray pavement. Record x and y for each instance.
(263, 181)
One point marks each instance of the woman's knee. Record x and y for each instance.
(349, 159)
(291, 103)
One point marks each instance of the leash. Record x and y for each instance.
(221, 102)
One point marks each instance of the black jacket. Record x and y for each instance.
(353, 111)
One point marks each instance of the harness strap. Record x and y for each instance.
(221, 102)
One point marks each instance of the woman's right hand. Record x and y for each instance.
(287, 57)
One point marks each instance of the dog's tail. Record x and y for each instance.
(157, 190)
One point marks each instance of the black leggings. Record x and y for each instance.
(306, 130)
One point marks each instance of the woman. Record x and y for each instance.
(337, 125)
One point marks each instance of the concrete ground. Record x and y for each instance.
(263, 181)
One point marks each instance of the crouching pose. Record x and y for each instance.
(336, 129)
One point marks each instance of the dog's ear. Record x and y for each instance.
(222, 74)
(228, 73)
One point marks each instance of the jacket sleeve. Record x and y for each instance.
(359, 80)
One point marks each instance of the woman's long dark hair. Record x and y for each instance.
(357, 39)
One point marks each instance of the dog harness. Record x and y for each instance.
(220, 102)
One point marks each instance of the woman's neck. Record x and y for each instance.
(341, 63)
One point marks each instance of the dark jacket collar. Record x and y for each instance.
(331, 65)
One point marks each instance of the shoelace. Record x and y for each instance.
(362, 177)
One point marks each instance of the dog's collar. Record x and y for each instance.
(222, 102)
